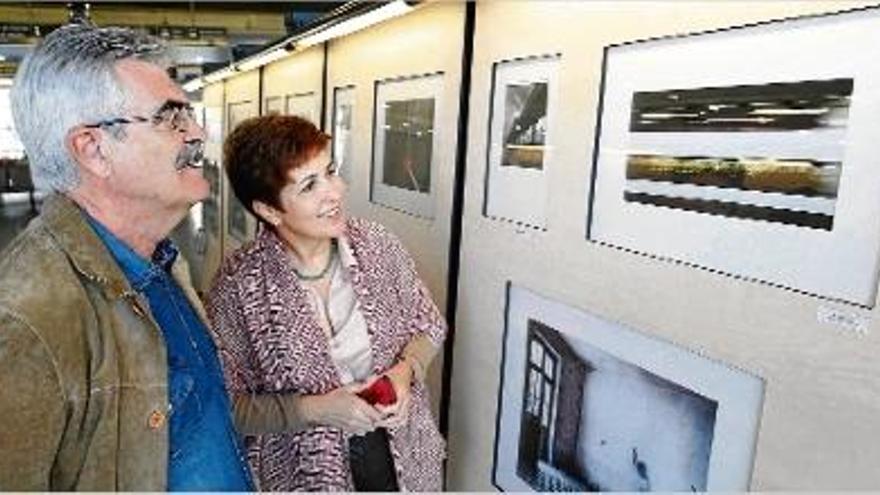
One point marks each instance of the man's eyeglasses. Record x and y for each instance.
(172, 115)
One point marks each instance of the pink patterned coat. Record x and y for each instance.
(270, 341)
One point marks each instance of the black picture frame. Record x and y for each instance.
(589, 404)
(416, 203)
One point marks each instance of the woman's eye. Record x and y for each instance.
(308, 187)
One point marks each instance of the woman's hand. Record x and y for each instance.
(395, 415)
(343, 409)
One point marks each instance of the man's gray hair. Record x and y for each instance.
(69, 79)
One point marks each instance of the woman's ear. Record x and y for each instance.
(268, 214)
(84, 145)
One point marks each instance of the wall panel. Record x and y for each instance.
(296, 76)
(425, 41)
(821, 405)
(242, 92)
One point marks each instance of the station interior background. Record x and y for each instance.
(495, 248)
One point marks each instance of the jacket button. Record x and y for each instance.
(156, 420)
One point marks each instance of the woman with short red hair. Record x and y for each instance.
(309, 316)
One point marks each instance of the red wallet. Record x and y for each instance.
(380, 392)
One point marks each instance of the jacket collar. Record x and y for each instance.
(268, 240)
(67, 224)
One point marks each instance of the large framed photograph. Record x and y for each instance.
(237, 225)
(523, 104)
(586, 404)
(405, 143)
(303, 105)
(761, 164)
(343, 139)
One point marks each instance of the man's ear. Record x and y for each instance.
(84, 145)
(267, 213)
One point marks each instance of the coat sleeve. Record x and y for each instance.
(255, 411)
(226, 316)
(32, 409)
(426, 323)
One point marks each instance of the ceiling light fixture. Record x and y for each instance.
(266, 57)
(348, 26)
(194, 85)
(219, 75)
(318, 35)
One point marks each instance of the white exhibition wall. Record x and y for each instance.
(393, 49)
(401, 48)
(817, 357)
(295, 84)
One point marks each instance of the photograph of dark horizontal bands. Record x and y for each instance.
(779, 106)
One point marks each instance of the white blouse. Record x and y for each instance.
(343, 322)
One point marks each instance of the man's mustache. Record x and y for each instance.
(192, 155)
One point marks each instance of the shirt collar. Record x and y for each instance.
(139, 271)
(268, 239)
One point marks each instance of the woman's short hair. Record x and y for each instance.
(261, 151)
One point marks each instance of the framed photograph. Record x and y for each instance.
(405, 143)
(237, 216)
(214, 124)
(274, 104)
(523, 102)
(343, 117)
(303, 105)
(211, 205)
(761, 164)
(586, 404)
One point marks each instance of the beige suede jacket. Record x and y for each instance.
(83, 372)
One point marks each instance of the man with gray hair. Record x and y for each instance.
(108, 378)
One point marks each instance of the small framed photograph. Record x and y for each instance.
(405, 143)
(274, 104)
(761, 164)
(214, 124)
(238, 226)
(523, 104)
(586, 404)
(343, 119)
(211, 205)
(303, 105)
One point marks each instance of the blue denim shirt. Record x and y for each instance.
(205, 453)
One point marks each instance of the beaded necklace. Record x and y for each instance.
(323, 272)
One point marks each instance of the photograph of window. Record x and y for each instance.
(405, 143)
(587, 404)
(759, 165)
(592, 422)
